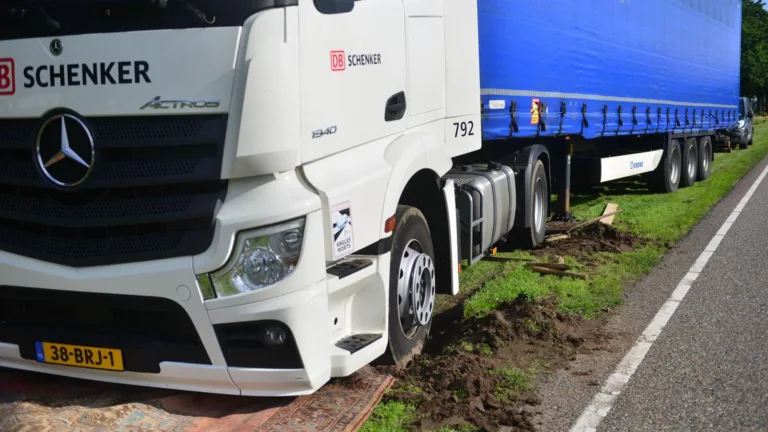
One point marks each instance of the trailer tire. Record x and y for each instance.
(669, 171)
(532, 236)
(412, 265)
(690, 162)
(705, 158)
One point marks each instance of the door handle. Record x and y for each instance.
(395, 109)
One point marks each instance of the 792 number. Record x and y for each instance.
(464, 128)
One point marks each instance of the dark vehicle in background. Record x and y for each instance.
(744, 131)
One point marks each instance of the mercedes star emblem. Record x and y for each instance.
(65, 151)
(56, 47)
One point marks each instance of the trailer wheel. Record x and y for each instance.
(690, 164)
(530, 237)
(705, 158)
(668, 173)
(411, 287)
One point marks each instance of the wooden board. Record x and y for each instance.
(610, 208)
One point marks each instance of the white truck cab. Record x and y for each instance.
(240, 197)
(254, 196)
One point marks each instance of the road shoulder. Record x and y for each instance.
(566, 392)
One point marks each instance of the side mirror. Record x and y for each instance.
(334, 6)
(751, 114)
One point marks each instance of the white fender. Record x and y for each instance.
(408, 155)
(450, 203)
(369, 180)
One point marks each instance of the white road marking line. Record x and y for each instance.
(603, 401)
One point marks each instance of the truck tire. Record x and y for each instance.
(411, 287)
(668, 173)
(690, 163)
(533, 236)
(705, 158)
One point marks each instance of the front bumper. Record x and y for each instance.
(738, 136)
(293, 310)
(148, 307)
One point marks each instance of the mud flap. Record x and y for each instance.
(450, 205)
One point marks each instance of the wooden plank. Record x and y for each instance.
(547, 271)
(556, 237)
(506, 259)
(610, 208)
(593, 220)
(551, 266)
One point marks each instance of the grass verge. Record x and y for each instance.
(660, 220)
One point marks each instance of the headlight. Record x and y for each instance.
(261, 258)
(741, 124)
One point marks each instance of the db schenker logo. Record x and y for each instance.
(7, 78)
(337, 61)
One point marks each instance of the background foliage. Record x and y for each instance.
(754, 52)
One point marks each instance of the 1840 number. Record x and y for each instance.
(323, 132)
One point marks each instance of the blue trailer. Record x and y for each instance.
(599, 68)
(598, 90)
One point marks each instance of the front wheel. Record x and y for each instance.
(411, 287)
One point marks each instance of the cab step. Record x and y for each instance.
(349, 267)
(354, 351)
(356, 342)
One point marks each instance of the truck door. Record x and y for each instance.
(426, 60)
(352, 64)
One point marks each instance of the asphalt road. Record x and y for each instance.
(708, 370)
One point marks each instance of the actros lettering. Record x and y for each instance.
(85, 74)
(158, 103)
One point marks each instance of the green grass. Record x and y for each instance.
(576, 296)
(663, 218)
(668, 217)
(515, 382)
(390, 417)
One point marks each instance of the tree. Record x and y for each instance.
(754, 51)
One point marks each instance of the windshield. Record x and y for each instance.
(20, 19)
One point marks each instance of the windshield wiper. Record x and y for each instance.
(19, 10)
(188, 7)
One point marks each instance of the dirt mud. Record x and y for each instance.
(460, 378)
(483, 371)
(587, 240)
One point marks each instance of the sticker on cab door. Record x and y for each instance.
(341, 230)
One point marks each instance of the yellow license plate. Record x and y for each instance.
(80, 356)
